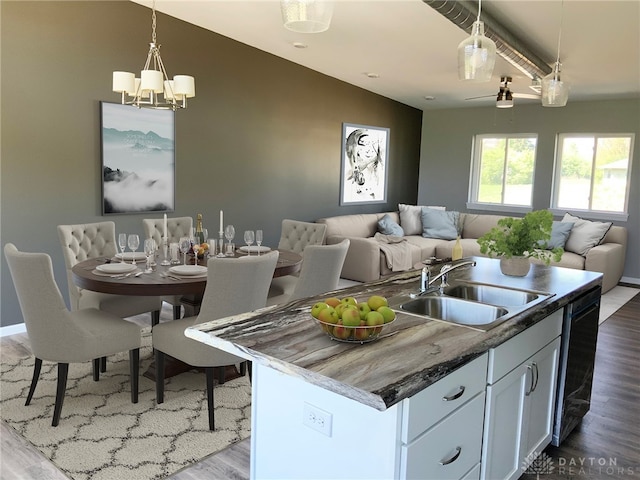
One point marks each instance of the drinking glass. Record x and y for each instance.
(249, 237)
(122, 243)
(134, 242)
(149, 251)
(185, 245)
(229, 233)
(258, 240)
(165, 251)
(213, 244)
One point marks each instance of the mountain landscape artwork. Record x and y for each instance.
(138, 159)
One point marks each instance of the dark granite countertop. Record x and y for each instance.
(412, 352)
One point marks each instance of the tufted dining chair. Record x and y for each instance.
(320, 272)
(59, 335)
(92, 240)
(176, 227)
(234, 286)
(296, 235)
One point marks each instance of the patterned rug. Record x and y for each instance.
(103, 436)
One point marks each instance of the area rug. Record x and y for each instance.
(103, 436)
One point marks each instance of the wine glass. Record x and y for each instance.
(122, 243)
(249, 237)
(185, 245)
(134, 242)
(229, 233)
(258, 240)
(149, 250)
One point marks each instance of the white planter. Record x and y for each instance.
(515, 266)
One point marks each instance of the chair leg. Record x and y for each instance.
(63, 372)
(249, 367)
(97, 362)
(177, 309)
(243, 368)
(222, 371)
(159, 359)
(134, 367)
(103, 364)
(34, 380)
(155, 318)
(210, 381)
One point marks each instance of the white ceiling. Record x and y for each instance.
(413, 48)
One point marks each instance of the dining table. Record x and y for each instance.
(101, 274)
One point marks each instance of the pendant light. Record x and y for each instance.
(476, 54)
(555, 91)
(306, 16)
(144, 92)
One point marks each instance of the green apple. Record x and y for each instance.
(362, 333)
(339, 331)
(315, 310)
(376, 301)
(351, 317)
(374, 319)
(363, 308)
(388, 314)
(328, 315)
(340, 308)
(349, 301)
(332, 301)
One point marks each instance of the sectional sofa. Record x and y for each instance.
(369, 259)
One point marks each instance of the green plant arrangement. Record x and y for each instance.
(522, 237)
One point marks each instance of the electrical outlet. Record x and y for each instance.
(317, 419)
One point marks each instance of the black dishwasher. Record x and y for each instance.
(577, 359)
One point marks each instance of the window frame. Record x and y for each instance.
(474, 177)
(556, 179)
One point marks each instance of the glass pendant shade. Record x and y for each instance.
(476, 55)
(555, 92)
(306, 16)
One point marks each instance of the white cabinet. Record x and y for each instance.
(520, 399)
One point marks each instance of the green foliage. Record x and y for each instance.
(521, 237)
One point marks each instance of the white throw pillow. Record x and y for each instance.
(585, 234)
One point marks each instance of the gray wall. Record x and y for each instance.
(261, 140)
(445, 157)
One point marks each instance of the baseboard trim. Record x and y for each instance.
(13, 329)
(631, 281)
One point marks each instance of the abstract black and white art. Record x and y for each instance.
(364, 164)
(138, 159)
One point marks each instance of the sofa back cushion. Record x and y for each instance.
(475, 225)
(359, 225)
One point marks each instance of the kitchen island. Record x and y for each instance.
(327, 409)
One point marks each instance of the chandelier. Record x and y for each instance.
(154, 89)
(306, 16)
(476, 54)
(555, 91)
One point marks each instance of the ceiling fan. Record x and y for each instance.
(504, 98)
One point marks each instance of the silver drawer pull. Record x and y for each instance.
(456, 395)
(452, 458)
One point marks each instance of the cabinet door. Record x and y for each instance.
(541, 399)
(504, 416)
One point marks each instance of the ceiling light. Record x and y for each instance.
(555, 92)
(372, 75)
(476, 54)
(505, 98)
(306, 16)
(144, 92)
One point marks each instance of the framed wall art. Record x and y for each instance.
(138, 159)
(365, 164)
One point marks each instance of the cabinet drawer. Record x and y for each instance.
(512, 353)
(473, 474)
(428, 407)
(450, 449)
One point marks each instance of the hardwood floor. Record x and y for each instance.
(609, 433)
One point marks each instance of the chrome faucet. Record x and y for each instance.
(426, 280)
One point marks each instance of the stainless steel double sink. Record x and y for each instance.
(475, 305)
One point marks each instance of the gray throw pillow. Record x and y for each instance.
(560, 232)
(585, 234)
(386, 226)
(439, 224)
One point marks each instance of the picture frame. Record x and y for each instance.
(137, 148)
(364, 164)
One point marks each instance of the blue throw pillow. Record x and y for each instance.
(386, 226)
(560, 232)
(440, 224)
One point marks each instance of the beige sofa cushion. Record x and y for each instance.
(359, 225)
(475, 225)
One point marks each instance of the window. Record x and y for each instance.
(502, 170)
(592, 172)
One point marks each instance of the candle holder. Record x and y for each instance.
(165, 249)
(220, 244)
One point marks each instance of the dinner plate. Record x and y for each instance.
(131, 255)
(255, 248)
(116, 268)
(188, 270)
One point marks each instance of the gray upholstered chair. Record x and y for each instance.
(234, 286)
(176, 227)
(320, 272)
(91, 240)
(58, 335)
(296, 235)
